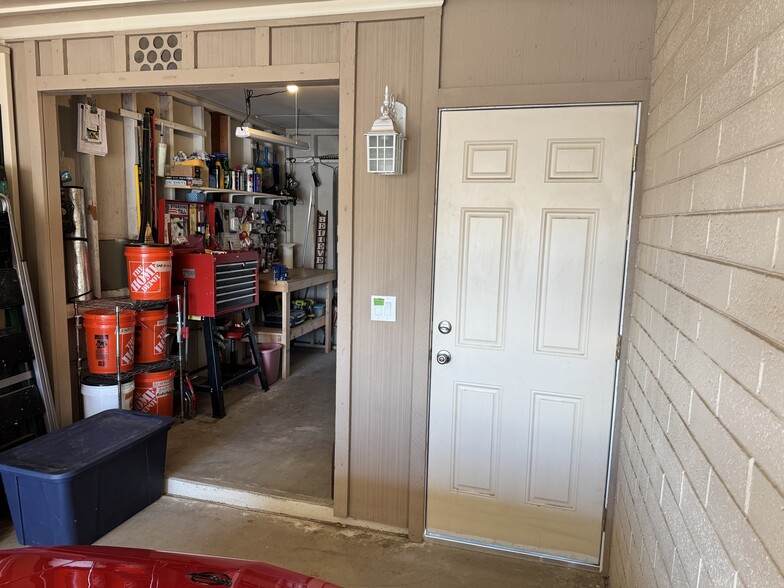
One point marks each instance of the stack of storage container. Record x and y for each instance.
(149, 281)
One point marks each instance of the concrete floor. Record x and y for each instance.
(277, 443)
(346, 556)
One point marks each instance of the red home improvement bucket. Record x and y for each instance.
(154, 393)
(149, 271)
(101, 333)
(151, 335)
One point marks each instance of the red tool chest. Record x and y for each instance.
(217, 283)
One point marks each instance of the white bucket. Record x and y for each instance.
(287, 254)
(99, 396)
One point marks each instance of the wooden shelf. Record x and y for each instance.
(235, 196)
(296, 331)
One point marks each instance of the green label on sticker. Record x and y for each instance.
(378, 302)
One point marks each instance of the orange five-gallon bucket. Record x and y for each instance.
(149, 271)
(100, 331)
(151, 335)
(154, 393)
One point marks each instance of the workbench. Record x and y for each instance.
(299, 279)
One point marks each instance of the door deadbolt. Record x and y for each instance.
(443, 357)
(444, 327)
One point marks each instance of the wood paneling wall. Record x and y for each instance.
(94, 55)
(310, 44)
(225, 48)
(385, 226)
(514, 42)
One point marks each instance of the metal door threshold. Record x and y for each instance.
(511, 552)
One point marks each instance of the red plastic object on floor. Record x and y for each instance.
(121, 567)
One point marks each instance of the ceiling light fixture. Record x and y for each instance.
(246, 132)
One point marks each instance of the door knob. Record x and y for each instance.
(443, 357)
(444, 327)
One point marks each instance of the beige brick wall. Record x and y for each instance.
(700, 495)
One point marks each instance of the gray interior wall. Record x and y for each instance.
(700, 490)
(517, 42)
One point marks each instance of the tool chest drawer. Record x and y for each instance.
(217, 283)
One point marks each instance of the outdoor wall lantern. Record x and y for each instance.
(386, 138)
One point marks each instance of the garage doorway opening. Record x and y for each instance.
(279, 443)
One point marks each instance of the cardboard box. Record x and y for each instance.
(186, 170)
(182, 182)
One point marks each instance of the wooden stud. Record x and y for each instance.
(130, 142)
(166, 136)
(220, 132)
(197, 118)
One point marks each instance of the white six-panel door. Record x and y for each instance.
(532, 220)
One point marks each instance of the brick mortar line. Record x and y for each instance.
(667, 480)
(727, 67)
(691, 384)
(699, 446)
(647, 513)
(735, 158)
(717, 212)
(733, 264)
(655, 54)
(636, 523)
(648, 509)
(718, 121)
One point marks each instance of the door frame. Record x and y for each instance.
(632, 227)
(43, 112)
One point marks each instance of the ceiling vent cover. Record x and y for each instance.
(155, 52)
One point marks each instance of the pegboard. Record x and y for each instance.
(155, 52)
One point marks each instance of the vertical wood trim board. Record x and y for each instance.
(54, 311)
(58, 57)
(385, 229)
(9, 131)
(188, 43)
(45, 58)
(262, 46)
(120, 53)
(345, 232)
(420, 380)
(39, 214)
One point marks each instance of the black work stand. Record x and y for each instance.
(235, 374)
